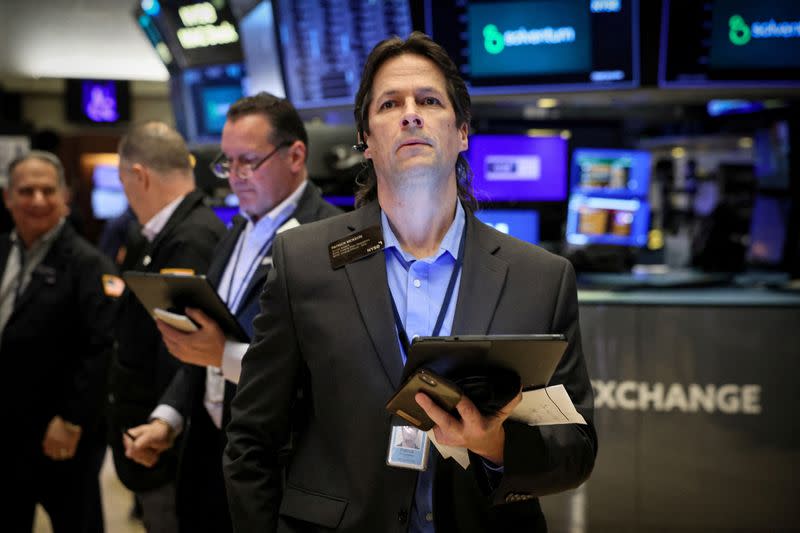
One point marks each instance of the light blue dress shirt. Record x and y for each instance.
(418, 288)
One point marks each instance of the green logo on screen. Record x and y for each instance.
(738, 30)
(492, 39)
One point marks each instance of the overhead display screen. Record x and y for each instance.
(324, 44)
(730, 42)
(523, 46)
(188, 33)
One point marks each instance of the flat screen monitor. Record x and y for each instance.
(730, 43)
(212, 103)
(518, 168)
(607, 221)
(108, 197)
(768, 230)
(520, 223)
(513, 47)
(324, 45)
(613, 173)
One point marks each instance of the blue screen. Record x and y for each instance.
(215, 101)
(225, 213)
(607, 172)
(509, 168)
(520, 223)
(546, 38)
(613, 221)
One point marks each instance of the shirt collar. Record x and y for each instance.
(280, 212)
(157, 223)
(41, 241)
(449, 243)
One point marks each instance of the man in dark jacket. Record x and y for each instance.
(56, 320)
(181, 233)
(264, 152)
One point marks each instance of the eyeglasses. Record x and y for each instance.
(221, 165)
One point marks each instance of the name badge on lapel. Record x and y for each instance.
(47, 273)
(355, 246)
(408, 448)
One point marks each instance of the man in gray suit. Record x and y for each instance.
(335, 324)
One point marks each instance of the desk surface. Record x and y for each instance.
(711, 296)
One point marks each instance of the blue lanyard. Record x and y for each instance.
(246, 279)
(448, 295)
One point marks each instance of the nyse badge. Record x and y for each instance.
(146, 261)
(355, 246)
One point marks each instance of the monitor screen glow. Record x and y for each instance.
(520, 223)
(609, 221)
(518, 168)
(617, 173)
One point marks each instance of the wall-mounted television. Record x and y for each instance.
(610, 172)
(730, 43)
(518, 167)
(607, 221)
(324, 46)
(97, 101)
(520, 223)
(514, 47)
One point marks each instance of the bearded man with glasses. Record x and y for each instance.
(264, 151)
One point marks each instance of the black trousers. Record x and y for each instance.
(201, 498)
(68, 490)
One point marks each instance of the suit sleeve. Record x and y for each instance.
(548, 459)
(260, 411)
(84, 396)
(194, 252)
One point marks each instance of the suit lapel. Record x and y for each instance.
(482, 281)
(5, 251)
(370, 287)
(47, 272)
(225, 249)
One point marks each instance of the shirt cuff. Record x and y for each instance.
(232, 357)
(494, 473)
(170, 415)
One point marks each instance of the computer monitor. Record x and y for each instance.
(108, 197)
(610, 172)
(520, 223)
(518, 168)
(212, 103)
(225, 213)
(607, 221)
(730, 43)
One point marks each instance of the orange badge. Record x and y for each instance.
(113, 285)
(178, 271)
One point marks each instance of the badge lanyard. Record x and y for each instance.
(401, 331)
(246, 280)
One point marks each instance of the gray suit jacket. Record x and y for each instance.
(331, 333)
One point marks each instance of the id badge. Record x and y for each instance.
(408, 448)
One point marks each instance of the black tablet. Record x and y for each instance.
(176, 292)
(533, 357)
